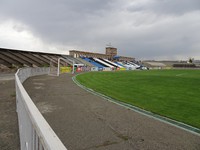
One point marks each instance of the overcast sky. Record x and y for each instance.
(144, 29)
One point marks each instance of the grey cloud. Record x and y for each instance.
(55, 17)
(91, 24)
(166, 7)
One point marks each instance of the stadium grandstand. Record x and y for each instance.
(82, 61)
(11, 58)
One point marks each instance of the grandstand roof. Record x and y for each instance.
(156, 64)
(19, 58)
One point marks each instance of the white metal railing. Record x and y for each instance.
(35, 132)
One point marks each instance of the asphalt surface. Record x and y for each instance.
(7, 76)
(9, 130)
(84, 121)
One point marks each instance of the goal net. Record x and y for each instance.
(61, 66)
(53, 68)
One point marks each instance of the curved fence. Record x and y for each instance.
(35, 132)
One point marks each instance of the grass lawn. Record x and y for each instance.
(171, 93)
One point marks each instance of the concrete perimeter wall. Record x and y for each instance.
(35, 132)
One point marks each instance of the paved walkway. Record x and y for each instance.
(84, 121)
(9, 130)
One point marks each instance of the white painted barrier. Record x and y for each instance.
(107, 69)
(94, 68)
(35, 132)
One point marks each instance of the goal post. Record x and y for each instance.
(55, 66)
(66, 60)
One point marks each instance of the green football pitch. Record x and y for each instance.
(171, 93)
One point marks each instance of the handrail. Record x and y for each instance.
(35, 132)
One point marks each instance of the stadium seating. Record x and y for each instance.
(93, 62)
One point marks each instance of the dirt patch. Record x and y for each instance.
(9, 131)
(45, 107)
